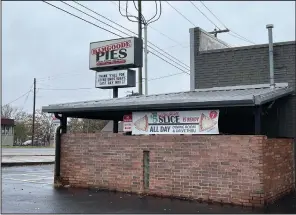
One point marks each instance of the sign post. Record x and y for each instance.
(112, 60)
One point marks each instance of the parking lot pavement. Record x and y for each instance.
(30, 189)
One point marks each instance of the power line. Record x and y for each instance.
(180, 62)
(234, 33)
(82, 88)
(161, 33)
(112, 32)
(26, 99)
(19, 97)
(170, 63)
(180, 13)
(213, 14)
(166, 36)
(240, 37)
(88, 88)
(204, 15)
(82, 19)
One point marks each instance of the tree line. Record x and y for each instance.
(44, 127)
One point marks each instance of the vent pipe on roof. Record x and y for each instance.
(271, 62)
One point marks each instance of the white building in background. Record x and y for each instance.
(7, 131)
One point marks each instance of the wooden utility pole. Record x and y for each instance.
(140, 36)
(215, 32)
(34, 104)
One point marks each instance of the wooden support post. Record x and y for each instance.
(258, 111)
(115, 122)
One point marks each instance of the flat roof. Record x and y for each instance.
(216, 97)
(6, 121)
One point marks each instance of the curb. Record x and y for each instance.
(3, 155)
(11, 164)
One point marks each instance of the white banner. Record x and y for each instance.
(176, 122)
(111, 79)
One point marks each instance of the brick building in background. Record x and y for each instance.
(250, 163)
(213, 63)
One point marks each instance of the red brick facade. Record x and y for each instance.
(244, 170)
(278, 167)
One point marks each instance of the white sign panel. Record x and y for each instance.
(111, 79)
(111, 54)
(176, 122)
(127, 123)
(55, 122)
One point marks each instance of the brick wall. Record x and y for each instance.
(216, 168)
(250, 65)
(278, 167)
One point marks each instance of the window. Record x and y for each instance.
(6, 130)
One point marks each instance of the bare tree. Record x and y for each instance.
(86, 125)
(43, 127)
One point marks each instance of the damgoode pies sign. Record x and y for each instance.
(116, 54)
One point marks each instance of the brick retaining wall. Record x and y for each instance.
(245, 170)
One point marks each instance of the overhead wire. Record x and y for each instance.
(214, 15)
(179, 13)
(118, 36)
(204, 15)
(81, 18)
(59, 75)
(18, 97)
(154, 29)
(180, 63)
(89, 88)
(234, 34)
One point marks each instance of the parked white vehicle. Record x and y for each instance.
(27, 143)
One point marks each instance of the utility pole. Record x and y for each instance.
(143, 21)
(146, 60)
(215, 32)
(34, 104)
(140, 36)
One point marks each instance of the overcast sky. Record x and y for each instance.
(42, 42)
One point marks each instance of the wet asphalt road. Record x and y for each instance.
(30, 190)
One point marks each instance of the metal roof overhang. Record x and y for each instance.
(238, 96)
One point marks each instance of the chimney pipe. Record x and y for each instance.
(271, 63)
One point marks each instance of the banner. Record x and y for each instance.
(176, 122)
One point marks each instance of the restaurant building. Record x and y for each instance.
(250, 162)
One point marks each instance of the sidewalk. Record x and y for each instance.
(20, 157)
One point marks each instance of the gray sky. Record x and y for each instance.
(43, 42)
